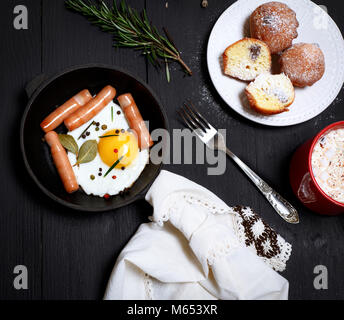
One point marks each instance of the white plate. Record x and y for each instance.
(316, 26)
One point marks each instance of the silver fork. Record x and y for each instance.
(215, 141)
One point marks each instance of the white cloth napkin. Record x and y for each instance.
(198, 248)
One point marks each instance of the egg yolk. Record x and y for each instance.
(119, 145)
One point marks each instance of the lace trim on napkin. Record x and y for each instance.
(254, 233)
(220, 249)
(249, 228)
(147, 282)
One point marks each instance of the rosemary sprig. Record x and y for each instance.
(109, 135)
(130, 29)
(92, 123)
(113, 166)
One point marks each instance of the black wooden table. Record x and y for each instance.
(69, 255)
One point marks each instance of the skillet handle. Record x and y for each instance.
(142, 194)
(33, 85)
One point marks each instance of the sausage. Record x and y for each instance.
(62, 163)
(54, 119)
(133, 115)
(91, 109)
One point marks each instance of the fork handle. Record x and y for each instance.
(281, 206)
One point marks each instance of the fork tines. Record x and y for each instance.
(192, 118)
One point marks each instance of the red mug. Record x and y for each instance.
(303, 181)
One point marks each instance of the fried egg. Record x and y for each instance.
(118, 145)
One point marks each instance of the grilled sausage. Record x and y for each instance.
(135, 120)
(54, 119)
(62, 163)
(91, 109)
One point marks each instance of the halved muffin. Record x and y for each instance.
(246, 59)
(270, 94)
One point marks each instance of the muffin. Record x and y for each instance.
(303, 63)
(275, 24)
(246, 59)
(270, 94)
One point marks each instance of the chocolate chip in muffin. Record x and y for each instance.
(255, 52)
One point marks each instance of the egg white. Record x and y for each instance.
(105, 185)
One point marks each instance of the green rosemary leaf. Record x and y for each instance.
(86, 129)
(170, 42)
(154, 56)
(168, 76)
(113, 166)
(110, 135)
(146, 20)
(123, 6)
(151, 60)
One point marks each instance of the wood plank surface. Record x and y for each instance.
(20, 218)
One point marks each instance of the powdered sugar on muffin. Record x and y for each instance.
(304, 63)
(276, 24)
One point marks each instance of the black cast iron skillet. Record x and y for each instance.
(54, 92)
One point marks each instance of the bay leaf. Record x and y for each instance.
(69, 143)
(87, 152)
